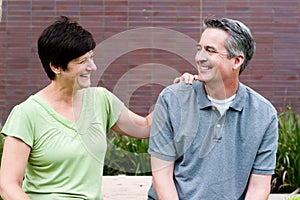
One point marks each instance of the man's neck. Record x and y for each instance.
(221, 92)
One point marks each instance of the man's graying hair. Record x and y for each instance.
(240, 40)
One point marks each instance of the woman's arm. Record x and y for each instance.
(133, 125)
(14, 161)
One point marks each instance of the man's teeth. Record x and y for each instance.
(204, 68)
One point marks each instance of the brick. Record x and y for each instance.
(274, 70)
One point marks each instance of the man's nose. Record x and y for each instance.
(201, 56)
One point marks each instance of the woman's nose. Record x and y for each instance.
(92, 66)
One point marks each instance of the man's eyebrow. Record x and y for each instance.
(210, 47)
(206, 47)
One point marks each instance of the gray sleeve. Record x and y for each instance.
(161, 143)
(265, 161)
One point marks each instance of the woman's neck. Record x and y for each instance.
(56, 93)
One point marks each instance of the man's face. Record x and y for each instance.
(213, 65)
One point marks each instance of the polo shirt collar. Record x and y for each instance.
(202, 98)
(204, 103)
(240, 98)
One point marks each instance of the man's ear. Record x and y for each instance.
(55, 69)
(239, 60)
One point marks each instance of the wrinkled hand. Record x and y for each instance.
(187, 78)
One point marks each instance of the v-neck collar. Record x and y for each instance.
(58, 116)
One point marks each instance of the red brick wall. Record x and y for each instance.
(135, 61)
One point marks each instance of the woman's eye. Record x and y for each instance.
(81, 62)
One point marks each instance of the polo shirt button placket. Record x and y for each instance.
(219, 134)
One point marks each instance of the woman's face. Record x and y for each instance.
(78, 73)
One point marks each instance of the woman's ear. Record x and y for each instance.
(239, 60)
(55, 69)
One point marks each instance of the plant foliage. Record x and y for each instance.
(126, 156)
(294, 198)
(287, 175)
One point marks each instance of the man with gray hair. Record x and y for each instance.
(216, 138)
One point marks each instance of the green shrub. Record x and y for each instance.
(126, 156)
(287, 174)
(294, 198)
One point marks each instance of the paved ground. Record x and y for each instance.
(126, 187)
(136, 188)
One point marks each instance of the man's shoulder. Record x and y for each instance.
(181, 88)
(257, 99)
(182, 94)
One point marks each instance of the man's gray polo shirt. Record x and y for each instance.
(214, 155)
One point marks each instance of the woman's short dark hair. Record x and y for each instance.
(61, 42)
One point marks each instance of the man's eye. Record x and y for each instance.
(211, 51)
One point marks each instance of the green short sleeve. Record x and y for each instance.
(19, 125)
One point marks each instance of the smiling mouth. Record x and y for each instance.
(85, 75)
(205, 68)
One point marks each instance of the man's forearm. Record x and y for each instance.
(165, 189)
(162, 178)
(257, 195)
(259, 187)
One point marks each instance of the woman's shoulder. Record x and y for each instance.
(28, 104)
(99, 91)
(99, 94)
(26, 110)
(181, 88)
